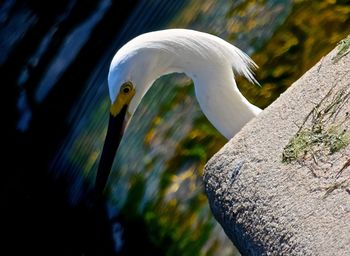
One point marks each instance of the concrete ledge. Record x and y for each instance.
(273, 197)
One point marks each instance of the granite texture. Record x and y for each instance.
(270, 206)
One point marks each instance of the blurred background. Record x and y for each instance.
(54, 58)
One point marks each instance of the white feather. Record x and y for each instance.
(205, 58)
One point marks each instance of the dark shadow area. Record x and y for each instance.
(36, 215)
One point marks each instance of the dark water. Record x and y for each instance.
(54, 58)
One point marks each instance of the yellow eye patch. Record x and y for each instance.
(126, 93)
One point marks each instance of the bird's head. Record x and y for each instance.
(131, 73)
(128, 80)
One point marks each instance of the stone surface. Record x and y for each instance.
(271, 207)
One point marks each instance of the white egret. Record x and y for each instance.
(208, 60)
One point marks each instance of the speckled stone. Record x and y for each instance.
(268, 207)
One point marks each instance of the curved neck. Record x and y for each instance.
(222, 103)
(216, 91)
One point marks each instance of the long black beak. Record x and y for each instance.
(114, 134)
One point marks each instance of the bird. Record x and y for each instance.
(211, 63)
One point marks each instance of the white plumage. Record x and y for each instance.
(208, 60)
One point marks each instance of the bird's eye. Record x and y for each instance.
(126, 88)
